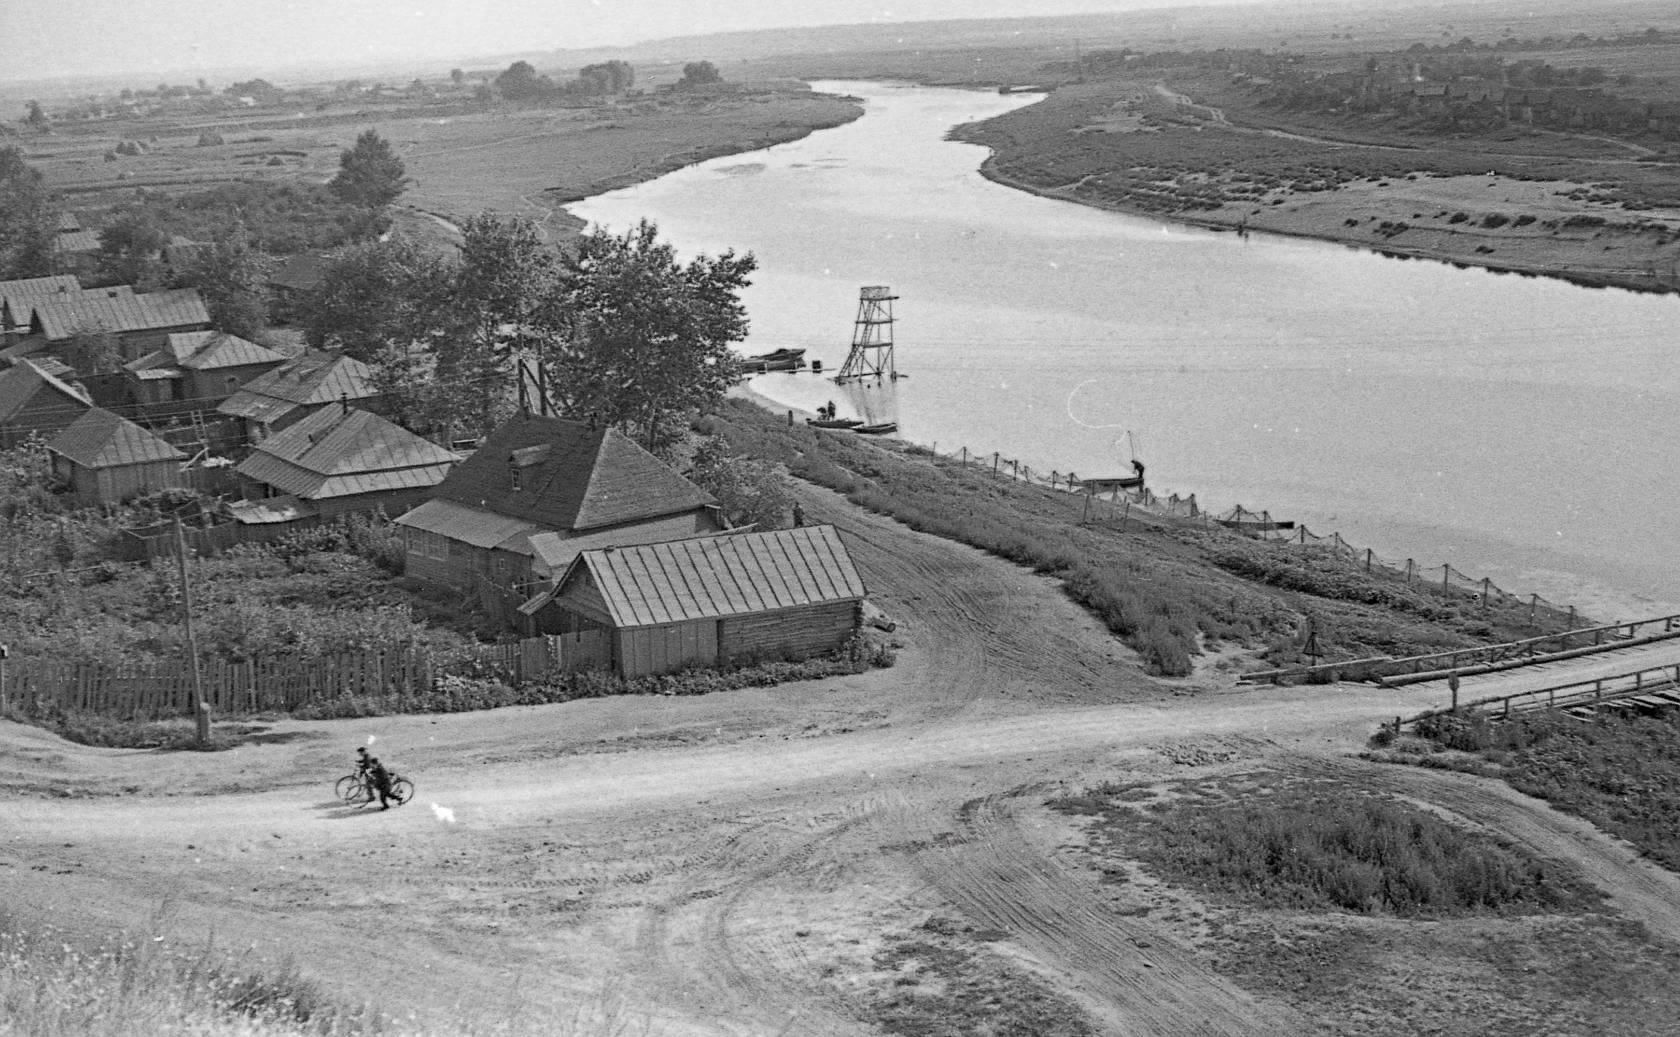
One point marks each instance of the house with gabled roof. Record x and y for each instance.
(297, 388)
(538, 475)
(35, 401)
(204, 366)
(785, 593)
(17, 300)
(106, 459)
(140, 321)
(336, 461)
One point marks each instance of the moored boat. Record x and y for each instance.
(878, 429)
(838, 423)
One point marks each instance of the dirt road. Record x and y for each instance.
(736, 864)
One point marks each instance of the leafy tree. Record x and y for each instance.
(520, 82)
(609, 77)
(129, 249)
(370, 173)
(28, 219)
(457, 76)
(37, 116)
(94, 352)
(699, 73)
(373, 296)
(749, 491)
(233, 278)
(649, 336)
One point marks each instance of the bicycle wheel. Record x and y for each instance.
(349, 788)
(402, 790)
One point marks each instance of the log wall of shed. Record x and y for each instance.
(795, 633)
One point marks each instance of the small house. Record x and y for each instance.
(539, 475)
(786, 593)
(106, 459)
(17, 299)
(336, 461)
(204, 367)
(35, 401)
(296, 389)
(141, 321)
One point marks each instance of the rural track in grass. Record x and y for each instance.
(1638, 888)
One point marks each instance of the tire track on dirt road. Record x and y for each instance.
(987, 627)
(1123, 970)
(1640, 889)
(761, 981)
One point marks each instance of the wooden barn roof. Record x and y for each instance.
(718, 577)
(20, 383)
(332, 453)
(571, 477)
(100, 439)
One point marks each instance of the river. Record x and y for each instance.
(1517, 428)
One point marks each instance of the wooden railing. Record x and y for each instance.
(1575, 693)
(1484, 658)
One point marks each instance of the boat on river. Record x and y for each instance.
(878, 429)
(844, 424)
(775, 360)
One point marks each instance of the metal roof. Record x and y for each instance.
(100, 439)
(470, 525)
(309, 380)
(76, 241)
(117, 311)
(209, 350)
(22, 381)
(717, 577)
(270, 511)
(556, 550)
(332, 453)
(16, 297)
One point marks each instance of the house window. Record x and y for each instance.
(513, 477)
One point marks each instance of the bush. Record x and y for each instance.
(1495, 219)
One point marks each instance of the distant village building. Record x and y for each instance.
(334, 462)
(787, 593)
(296, 389)
(550, 478)
(106, 459)
(204, 367)
(34, 401)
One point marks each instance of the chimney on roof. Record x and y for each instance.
(344, 402)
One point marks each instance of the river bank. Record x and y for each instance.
(1148, 151)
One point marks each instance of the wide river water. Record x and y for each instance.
(1518, 428)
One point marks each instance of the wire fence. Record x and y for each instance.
(1111, 502)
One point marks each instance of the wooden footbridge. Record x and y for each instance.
(1632, 665)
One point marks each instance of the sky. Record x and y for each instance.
(52, 38)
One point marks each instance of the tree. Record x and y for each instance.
(457, 76)
(750, 492)
(373, 296)
(649, 336)
(520, 82)
(699, 73)
(129, 250)
(233, 279)
(28, 219)
(370, 173)
(608, 77)
(37, 116)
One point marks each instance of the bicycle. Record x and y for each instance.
(355, 790)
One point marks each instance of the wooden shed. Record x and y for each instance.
(34, 401)
(106, 459)
(787, 593)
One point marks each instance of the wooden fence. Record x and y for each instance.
(283, 684)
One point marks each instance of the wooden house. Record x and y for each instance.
(540, 475)
(296, 389)
(17, 299)
(337, 461)
(106, 459)
(204, 367)
(140, 321)
(786, 593)
(33, 400)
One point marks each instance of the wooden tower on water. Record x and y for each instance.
(872, 338)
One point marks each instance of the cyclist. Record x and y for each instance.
(379, 779)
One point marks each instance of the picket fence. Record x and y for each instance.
(34, 686)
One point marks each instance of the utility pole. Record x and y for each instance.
(201, 709)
